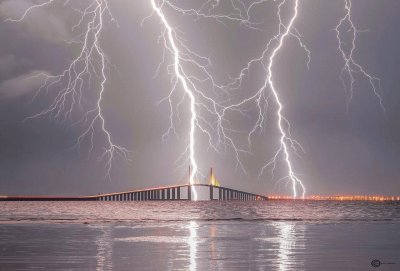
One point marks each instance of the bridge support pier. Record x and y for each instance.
(174, 193)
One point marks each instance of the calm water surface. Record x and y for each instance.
(272, 235)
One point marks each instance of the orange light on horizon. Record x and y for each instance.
(340, 197)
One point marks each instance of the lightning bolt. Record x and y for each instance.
(211, 100)
(70, 85)
(351, 67)
(262, 97)
(201, 100)
(285, 133)
(188, 91)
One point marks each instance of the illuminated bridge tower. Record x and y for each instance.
(174, 192)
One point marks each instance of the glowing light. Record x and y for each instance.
(188, 91)
(287, 242)
(341, 198)
(29, 9)
(216, 122)
(351, 67)
(90, 63)
(193, 227)
(104, 249)
(261, 96)
(220, 111)
(285, 136)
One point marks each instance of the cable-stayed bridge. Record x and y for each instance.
(172, 192)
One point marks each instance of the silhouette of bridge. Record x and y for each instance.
(180, 192)
(173, 192)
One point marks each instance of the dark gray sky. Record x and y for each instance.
(354, 151)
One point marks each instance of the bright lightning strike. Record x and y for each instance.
(199, 100)
(73, 82)
(211, 102)
(213, 119)
(351, 67)
(261, 97)
(188, 91)
(285, 135)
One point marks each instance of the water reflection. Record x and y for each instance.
(104, 249)
(192, 242)
(290, 239)
(214, 249)
(213, 243)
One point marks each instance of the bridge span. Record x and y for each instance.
(174, 192)
(180, 192)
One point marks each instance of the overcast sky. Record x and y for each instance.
(347, 151)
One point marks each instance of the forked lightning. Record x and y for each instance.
(210, 101)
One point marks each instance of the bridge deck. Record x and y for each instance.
(174, 192)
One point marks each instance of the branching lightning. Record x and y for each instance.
(285, 132)
(351, 67)
(210, 101)
(268, 89)
(72, 83)
(188, 91)
(199, 99)
(218, 109)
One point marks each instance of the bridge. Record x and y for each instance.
(180, 192)
(174, 192)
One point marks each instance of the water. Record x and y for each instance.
(272, 235)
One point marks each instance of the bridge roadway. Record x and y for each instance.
(175, 192)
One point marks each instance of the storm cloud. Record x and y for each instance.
(354, 150)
